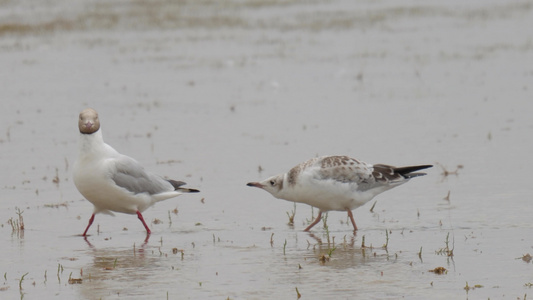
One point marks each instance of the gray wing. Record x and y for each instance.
(129, 174)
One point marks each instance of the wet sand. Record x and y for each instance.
(220, 94)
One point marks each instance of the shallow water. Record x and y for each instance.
(220, 94)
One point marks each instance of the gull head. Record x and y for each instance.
(88, 122)
(273, 185)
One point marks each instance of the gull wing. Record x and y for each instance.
(344, 169)
(130, 175)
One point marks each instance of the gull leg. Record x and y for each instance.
(146, 240)
(142, 220)
(91, 220)
(314, 222)
(353, 221)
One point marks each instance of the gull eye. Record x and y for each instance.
(272, 182)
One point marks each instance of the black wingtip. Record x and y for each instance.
(406, 170)
(186, 190)
(178, 187)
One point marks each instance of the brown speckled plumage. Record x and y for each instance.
(293, 173)
(337, 183)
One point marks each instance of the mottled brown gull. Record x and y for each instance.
(337, 183)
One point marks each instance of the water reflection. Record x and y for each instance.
(145, 242)
(342, 253)
(118, 270)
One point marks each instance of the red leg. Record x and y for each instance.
(142, 220)
(353, 221)
(91, 220)
(314, 222)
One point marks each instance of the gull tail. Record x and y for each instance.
(177, 187)
(407, 172)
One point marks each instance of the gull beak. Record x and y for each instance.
(255, 184)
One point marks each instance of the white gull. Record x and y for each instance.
(337, 183)
(113, 182)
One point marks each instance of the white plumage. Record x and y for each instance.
(336, 183)
(113, 182)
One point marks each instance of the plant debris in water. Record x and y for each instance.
(445, 173)
(56, 205)
(446, 250)
(291, 215)
(74, 280)
(323, 258)
(439, 270)
(17, 225)
(298, 295)
(468, 288)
